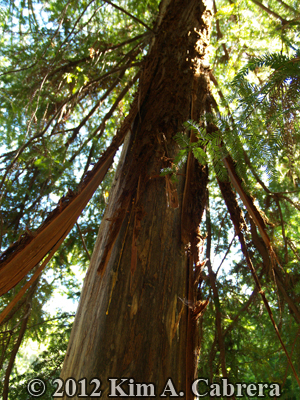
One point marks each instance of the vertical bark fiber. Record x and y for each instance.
(130, 321)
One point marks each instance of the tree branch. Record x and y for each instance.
(216, 298)
(130, 15)
(83, 241)
(288, 7)
(235, 212)
(270, 12)
(282, 229)
(219, 34)
(242, 309)
(17, 345)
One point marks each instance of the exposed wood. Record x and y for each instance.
(134, 305)
(30, 249)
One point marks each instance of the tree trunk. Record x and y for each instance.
(131, 321)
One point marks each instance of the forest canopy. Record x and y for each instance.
(69, 74)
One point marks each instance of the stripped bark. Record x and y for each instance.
(131, 321)
(237, 219)
(21, 257)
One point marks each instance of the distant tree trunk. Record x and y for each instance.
(131, 321)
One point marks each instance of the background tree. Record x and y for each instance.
(67, 82)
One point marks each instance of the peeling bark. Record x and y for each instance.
(131, 321)
(237, 219)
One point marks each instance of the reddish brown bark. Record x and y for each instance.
(131, 321)
(238, 221)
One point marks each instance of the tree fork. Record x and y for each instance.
(130, 322)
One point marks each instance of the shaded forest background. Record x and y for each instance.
(68, 74)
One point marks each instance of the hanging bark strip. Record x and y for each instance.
(51, 233)
(246, 199)
(21, 257)
(281, 281)
(251, 208)
(238, 222)
(27, 285)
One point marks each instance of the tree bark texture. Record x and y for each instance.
(131, 321)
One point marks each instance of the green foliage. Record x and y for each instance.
(256, 65)
(63, 68)
(68, 72)
(48, 363)
(208, 147)
(269, 111)
(59, 79)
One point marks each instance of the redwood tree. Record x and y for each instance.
(66, 82)
(132, 320)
